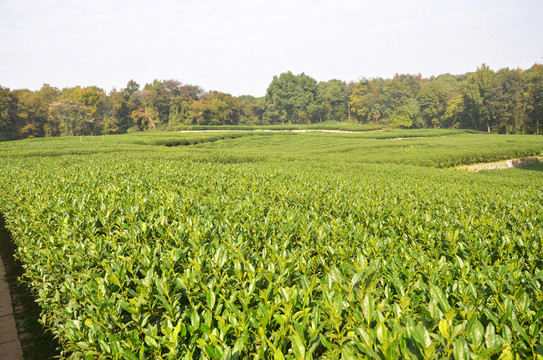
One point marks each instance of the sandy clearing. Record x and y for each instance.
(512, 163)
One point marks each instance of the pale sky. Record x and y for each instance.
(238, 46)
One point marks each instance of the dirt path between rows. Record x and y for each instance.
(21, 334)
(503, 164)
(10, 346)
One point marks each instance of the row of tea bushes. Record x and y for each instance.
(150, 255)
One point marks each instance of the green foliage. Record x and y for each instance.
(331, 102)
(506, 101)
(365, 100)
(8, 108)
(405, 116)
(433, 103)
(478, 96)
(278, 245)
(91, 97)
(441, 148)
(70, 118)
(325, 125)
(291, 95)
(534, 97)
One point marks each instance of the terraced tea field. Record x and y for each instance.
(281, 245)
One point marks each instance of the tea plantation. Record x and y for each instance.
(237, 245)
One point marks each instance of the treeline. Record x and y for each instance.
(505, 101)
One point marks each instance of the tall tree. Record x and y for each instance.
(454, 113)
(69, 117)
(144, 113)
(508, 103)
(366, 100)
(432, 98)
(8, 113)
(180, 101)
(33, 110)
(90, 99)
(131, 87)
(290, 95)
(29, 121)
(252, 110)
(164, 102)
(405, 115)
(396, 93)
(534, 97)
(157, 100)
(224, 109)
(331, 95)
(477, 97)
(117, 113)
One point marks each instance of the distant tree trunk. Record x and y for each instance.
(475, 127)
(151, 121)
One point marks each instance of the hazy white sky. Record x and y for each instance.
(238, 46)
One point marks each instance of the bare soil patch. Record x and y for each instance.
(503, 164)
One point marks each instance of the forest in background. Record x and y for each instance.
(503, 101)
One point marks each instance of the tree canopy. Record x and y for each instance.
(503, 101)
